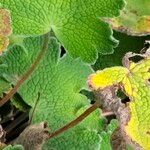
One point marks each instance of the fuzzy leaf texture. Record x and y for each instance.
(135, 19)
(75, 23)
(16, 147)
(106, 135)
(5, 29)
(59, 81)
(4, 87)
(134, 82)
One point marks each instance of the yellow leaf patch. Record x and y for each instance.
(134, 81)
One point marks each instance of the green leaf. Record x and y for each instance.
(59, 81)
(77, 24)
(135, 19)
(19, 103)
(141, 7)
(16, 147)
(106, 136)
(4, 86)
(126, 43)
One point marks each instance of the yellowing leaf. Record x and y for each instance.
(5, 29)
(134, 82)
(143, 24)
(4, 41)
(135, 19)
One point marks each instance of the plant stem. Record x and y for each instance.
(76, 121)
(29, 72)
(108, 113)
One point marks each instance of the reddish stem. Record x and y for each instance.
(29, 72)
(76, 121)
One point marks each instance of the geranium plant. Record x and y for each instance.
(74, 75)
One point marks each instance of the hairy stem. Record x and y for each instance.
(29, 72)
(76, 121)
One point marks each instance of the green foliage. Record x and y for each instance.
(59, 81)
(106, 136)
(16, 147)
(4, 86)
(75, 23)
(56, 91)
(141, 7)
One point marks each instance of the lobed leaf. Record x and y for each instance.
(134, 81)
(77, 24)
(59, 81)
